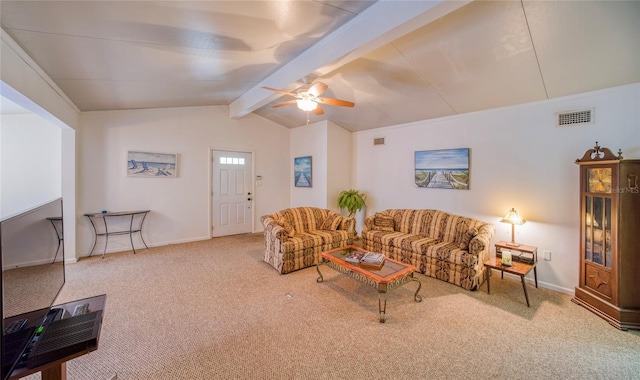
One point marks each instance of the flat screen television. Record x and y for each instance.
(32, 261)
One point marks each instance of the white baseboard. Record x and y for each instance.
(159, 244)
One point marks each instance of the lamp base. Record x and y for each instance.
(513, 244)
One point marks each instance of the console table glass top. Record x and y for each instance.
(135, 221)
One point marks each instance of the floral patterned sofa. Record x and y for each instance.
(448, 247)
(294, 237)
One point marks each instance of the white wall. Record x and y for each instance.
(180, 206)
(330, 147)
(30, 162)
(310, 140)
(339, 161)
(68, 179)
(518, 159)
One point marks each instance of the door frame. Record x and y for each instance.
(210, 186)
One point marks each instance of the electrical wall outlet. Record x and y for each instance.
(546, 255)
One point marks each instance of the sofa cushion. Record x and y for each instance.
(403, 220)
(380, 241)
(291, 231)
(383, 222)
(428, 223)
(335, 238)
(301, 241)
(422, 220)
(467, 236)
(331, 222)
(457, 229)
(302, 219)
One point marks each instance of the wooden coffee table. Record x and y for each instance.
(392, 275)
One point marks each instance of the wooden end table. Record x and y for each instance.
(518, 268)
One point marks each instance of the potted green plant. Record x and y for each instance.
(352, 201)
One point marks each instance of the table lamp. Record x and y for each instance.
(513, 218)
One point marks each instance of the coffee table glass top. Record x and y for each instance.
(390, 270)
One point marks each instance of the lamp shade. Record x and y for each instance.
(512, 217)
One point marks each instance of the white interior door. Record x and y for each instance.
(232, 193)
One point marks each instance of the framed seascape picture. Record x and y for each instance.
(442, 169)
(151, 165)
(302, 171)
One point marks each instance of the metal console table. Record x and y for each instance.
(56, 222)
(135, 216)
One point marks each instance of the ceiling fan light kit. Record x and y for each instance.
(310, 100)
(306, 104)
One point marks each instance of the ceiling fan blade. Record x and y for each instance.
(280, 91)
(317, 89)
(284, 104)
(318, 110)
(335, 102)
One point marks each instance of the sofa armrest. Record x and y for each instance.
(348, 224)
(480, 245)
(368, 223)
(272, 227)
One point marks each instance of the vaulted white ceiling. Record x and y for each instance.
(398, 61)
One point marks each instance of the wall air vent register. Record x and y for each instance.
(566, 119)
(378, 141)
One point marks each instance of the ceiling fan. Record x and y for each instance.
(310, 100)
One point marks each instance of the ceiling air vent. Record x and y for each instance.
(565, 119)
(378, 141)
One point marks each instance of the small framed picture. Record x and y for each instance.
(151, 165)
(302, 171)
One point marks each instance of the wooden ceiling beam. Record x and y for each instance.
(354, 39)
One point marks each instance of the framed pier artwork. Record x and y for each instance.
(442, 169)
(302, 171)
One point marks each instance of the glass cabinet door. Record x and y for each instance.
(588, 235)
(598, 230)
(597, 227)
(607, 232)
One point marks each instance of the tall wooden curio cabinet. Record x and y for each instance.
(610, 237)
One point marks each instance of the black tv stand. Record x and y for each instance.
(61, 339)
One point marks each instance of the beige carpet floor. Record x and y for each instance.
(215, 310)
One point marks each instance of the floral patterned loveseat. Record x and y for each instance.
(294, 237)
(448, 247)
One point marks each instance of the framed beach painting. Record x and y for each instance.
(442, 169)
(151, 165)
(302, 171)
